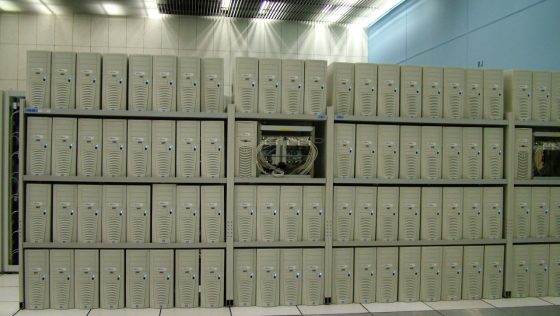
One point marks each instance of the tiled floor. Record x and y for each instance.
(546, 306)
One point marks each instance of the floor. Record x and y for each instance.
(546, 306)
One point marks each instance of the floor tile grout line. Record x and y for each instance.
(89, 311)
(367, 310)
(16, 312)
(299, 310)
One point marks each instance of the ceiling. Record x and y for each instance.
(340, 11)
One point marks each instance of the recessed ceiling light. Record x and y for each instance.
(10, 6)
(264, 7)
(226, 4)
(151, 8)
(112, 8)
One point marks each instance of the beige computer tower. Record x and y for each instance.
(38, 151)
(139, 156)
(388, 152)
(554, 230)
(540, 212)
(452, 228)
(341, 84)
(245, 149)
(345, 152)
(409, 213)
(387, 213)
(343, 275)
(188, 84)
(411, 91)
(211, 278)
(365, 91)
(112, 279)
(164, 214)
(366, 151)
(523, 153)
(65, 204)
(88, 81)
(187, 278)
(541, 96)
(315, 97)
(36, 278)
(554, 272)
(409, 274)
(86, 279)
(387, 274)
(139, 215)
(410, 150)
(38, 215)
(245, 277)
(212, 85)
(492, 212)
(245, 215)
(163, 149)
(365, 209)
(212, 153)
(268, 217)
(313, 213)
(90, 203)
(522, 207)
(63, 83)
(453, 93)
(292, 86)
(555, 97)
(312, 290)
(138, 276)
(521, 270)
(431, 152)
(473, 269)
(291, 268)
(474, 98)
(431, 213)
(64, 137)
(38, 84)
(268, 277)
(161, 278)
(212, 217)
(90, 138)
(246, 84)
(472, 213)
(388, 96)
(113, 214)
(61, 278)
(140, 85)
(518, 86)
(452, 273)
(114, 82)
(472, 152)
(114, 147)
(291, 199)
(343, 213)
(430, 274)
(493, 94)
(493, 272)
(188, 213)
(165, 84)
(432, 93)
(539, 270)
(493, 153)
(188, 149)
(270, 85)
(452, 153)
(365, 274)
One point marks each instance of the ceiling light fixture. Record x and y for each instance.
(9, 6)
(226, 4)
(381, 9)
(151, 8)
(41, 7)
(264, 7)
(112, 8)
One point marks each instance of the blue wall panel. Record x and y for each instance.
(500, 33)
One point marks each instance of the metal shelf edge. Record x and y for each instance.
(459, 182)
(280, 117)
(532, 240)
(403, 243)
(537, 182)
(280, 180)
(553, 124)
(419, 120)
(125, 114)
(147, 180)
(278, 244)
(74, 245)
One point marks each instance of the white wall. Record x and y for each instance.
(500, 33)
(182, 36)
